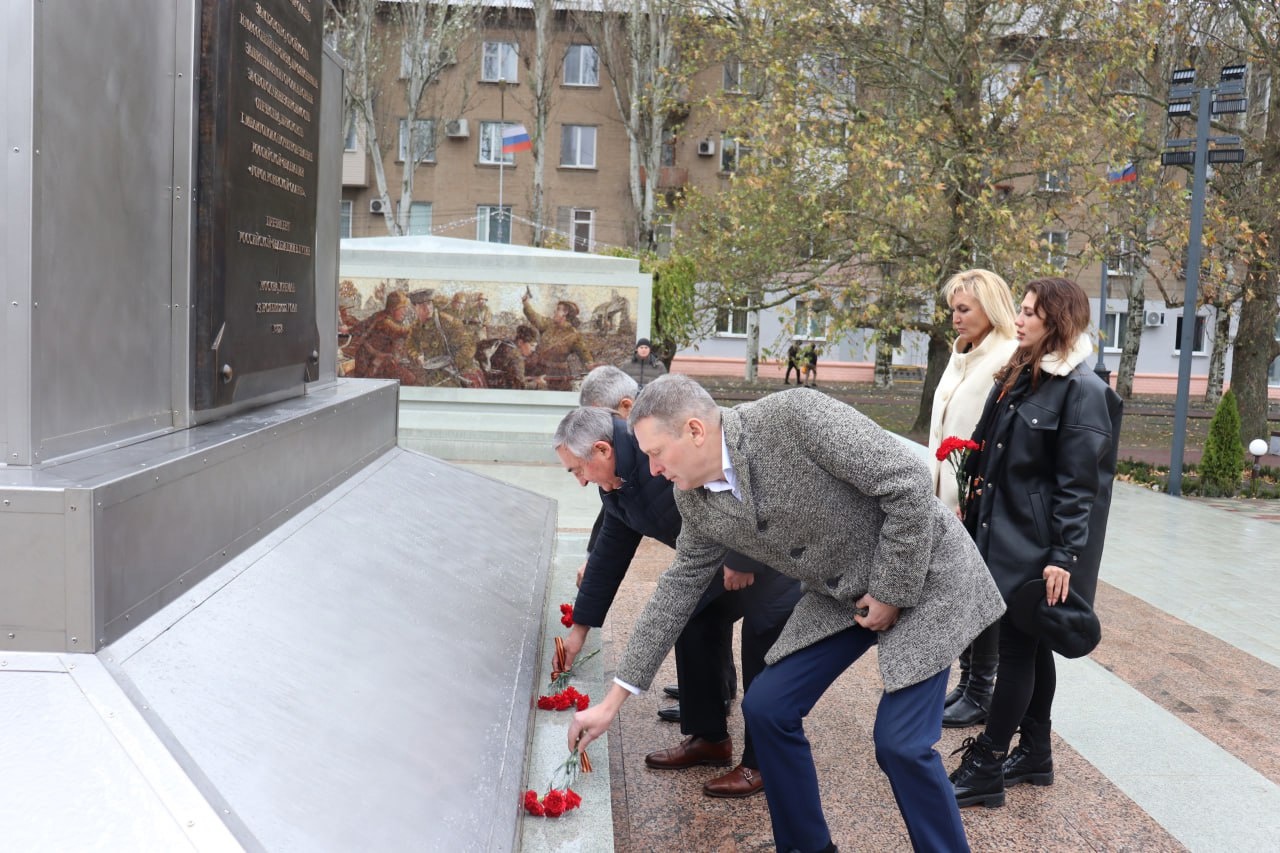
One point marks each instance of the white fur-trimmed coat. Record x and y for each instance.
(831, 499)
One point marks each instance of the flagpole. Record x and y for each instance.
(502, 155)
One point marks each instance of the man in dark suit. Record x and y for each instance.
(816, 490)
(611, 387)
(597, 448)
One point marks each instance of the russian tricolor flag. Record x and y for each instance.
(1127, 175)
(515, 138)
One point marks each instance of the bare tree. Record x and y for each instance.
(394, 52)
(636, 41)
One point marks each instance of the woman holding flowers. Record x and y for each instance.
(1037, 508)
(982, 313)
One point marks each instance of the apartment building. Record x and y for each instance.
(465, 186)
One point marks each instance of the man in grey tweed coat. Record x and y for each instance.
(809, 486)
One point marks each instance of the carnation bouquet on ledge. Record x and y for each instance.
(956, 450)
(558, 800)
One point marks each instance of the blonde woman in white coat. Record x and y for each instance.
(982, 312)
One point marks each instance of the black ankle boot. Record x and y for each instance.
(1032, 759)
(963, 684)
(971, 708)
(980, 777)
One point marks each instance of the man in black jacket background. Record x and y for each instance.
(596, 447)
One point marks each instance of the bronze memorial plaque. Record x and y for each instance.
(254, 313)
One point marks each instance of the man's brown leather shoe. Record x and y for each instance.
(741, 781)
(691, 752)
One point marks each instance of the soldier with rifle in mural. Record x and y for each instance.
(442, 351)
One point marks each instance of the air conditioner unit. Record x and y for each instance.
(457, 129)
(707, 148)
(1154, 318)
(376, 206)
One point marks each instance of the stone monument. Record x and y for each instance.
(169, 236)
(217, 617)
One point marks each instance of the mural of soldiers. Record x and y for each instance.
(441, 350)
(507, 361)
(559, 342)
(380, 346)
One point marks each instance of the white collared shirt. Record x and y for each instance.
(728, 483)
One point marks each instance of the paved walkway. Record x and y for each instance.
(1166, 738)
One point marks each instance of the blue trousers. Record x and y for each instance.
(908, 724)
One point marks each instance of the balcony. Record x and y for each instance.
(669, 177)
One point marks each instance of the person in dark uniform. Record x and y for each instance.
(793, 363)
(809, 359)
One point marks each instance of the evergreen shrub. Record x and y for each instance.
(1223, 460)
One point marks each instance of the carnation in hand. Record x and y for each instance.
(956, 450)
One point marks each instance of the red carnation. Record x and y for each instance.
(566, 615)
(956, 450)
(531, 804)
(953, 443)
(546, 703)
(584, 702)
(571, 799)
(554, 803)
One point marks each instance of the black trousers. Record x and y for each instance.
(791, 365)
(701, 650)
(1026, 680)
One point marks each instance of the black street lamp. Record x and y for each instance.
(1225, 97)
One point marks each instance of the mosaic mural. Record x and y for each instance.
(468, 334)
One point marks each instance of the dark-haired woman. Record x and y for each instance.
(1038, 502)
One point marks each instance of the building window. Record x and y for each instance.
(578, 146)
(1198, 346)
(344, 220)
(1053, 180)
(423, 143)
(410, 53)
(736, 76)
(811, 319)
(732, 153)
(349, 139)
(731, 321)
(1055, 248)
(1121, 263)
(419, 217)
(1115, 328)
(997, 88)
(499, 62)
(581, 66)
(664, 235)
(493, 223)
(491, 143)
(584, 226)
(828, 76)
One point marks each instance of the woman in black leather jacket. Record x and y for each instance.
(1037, 508)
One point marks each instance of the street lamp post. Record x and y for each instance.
(1101, 368)
(1226, 96)
(1257, 448)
